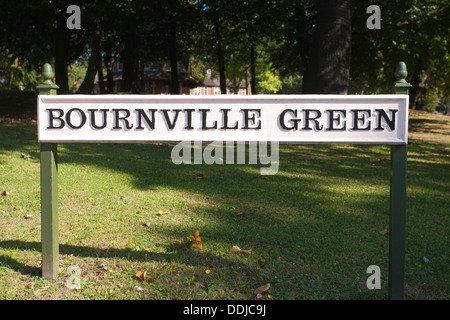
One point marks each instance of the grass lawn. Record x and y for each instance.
(313, 229)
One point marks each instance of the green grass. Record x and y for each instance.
(313, 228)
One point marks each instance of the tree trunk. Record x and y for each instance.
(301, 31)
(174, 83)
(109, 73)
(248, 87)
(131, 81)
(61, 54)
(252, 67)
(88, 82)
(220, 53)
(101, 81)
(328, 69)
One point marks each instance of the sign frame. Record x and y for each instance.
(298, 119)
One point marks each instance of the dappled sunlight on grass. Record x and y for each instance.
(313, 228)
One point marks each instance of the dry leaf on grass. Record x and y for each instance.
(5, 193)
(259, 291)
(195, 240)
(141, 276)
(383, 232)
(235, 249)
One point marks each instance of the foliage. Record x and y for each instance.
(269, 81)
(250, 34)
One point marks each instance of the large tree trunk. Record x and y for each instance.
(88, 82)
(131, 72)
(328, 70)
(61, 54)
(131, 80)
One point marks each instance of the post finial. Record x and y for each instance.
(47, 73)
(401, 72)
(47, 87)
(401, 86)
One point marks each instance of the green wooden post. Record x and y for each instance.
(397, 221)
(49, 192)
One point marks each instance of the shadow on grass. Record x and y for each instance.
(16, 265)
(188, 256)
(311, 182)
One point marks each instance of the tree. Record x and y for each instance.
(412, 31)
(329, 63)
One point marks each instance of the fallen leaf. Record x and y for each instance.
(234, 208)
(28, 216)
(259, 291)
(5, 193)
(372, 188)
(147, 224)
(137, 288)
(383, 232)
(1, 211)
(141, 276)
(236, 272)
(235, 249)
(196, 240)
(160, 213)
(240, 213)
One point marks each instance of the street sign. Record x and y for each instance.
(357, 119)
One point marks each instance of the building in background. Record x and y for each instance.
(211, 86)
(156, 80)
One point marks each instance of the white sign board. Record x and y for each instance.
(356, 119)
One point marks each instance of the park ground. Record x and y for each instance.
(127, 217)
